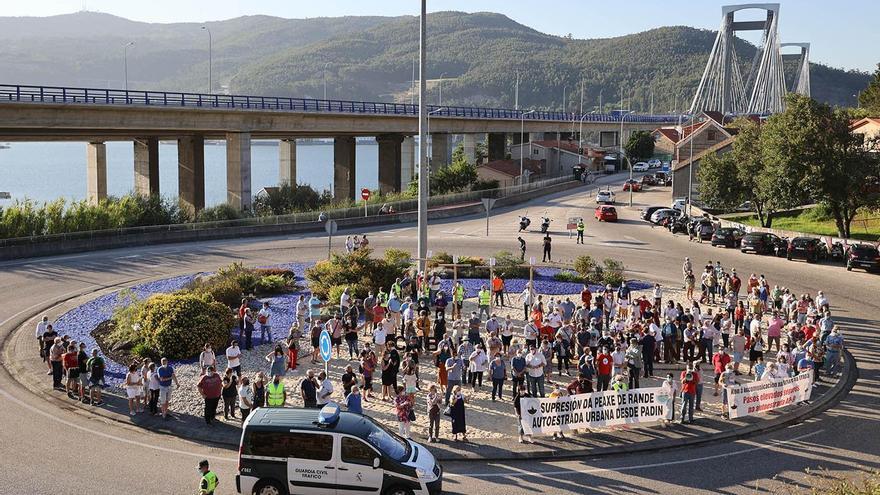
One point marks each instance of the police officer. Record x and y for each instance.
(484, 301)
(580, 229)
(209, 480)
(457, 300)
(275, 393)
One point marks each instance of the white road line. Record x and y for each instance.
(525, 473)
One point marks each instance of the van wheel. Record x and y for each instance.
(269, 487)
(398, 490)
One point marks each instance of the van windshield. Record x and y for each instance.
(387, 442)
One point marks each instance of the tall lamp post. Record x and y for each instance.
(428, 125)
(210, 60)
(516, 93)
(324, 77)
(522, 134)
(440, 103)
(623, 115)
(423, 148)
(125, 62)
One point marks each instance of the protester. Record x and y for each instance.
(210, 386)
(457, 414)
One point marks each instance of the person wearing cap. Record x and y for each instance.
(209, 481)
(586, 371)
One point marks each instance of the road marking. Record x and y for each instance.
(526, 473)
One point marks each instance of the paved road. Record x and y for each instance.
(48, 450)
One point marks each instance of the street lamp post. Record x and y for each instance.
(423, 149)
(412, 86)
(125, 62)
(623, 115)
(522, 134)
(600, 99)
(324, 76)
(210, 60)
(516, 93)
(441, 89)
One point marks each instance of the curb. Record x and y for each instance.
(837, 391)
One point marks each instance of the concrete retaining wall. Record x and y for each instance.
(114, 240)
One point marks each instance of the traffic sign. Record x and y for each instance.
(488, 203)
(325, 345)
(331, 227)
(365, 194)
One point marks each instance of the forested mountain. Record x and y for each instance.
(371, 58)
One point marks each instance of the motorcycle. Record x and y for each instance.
(545, 225)
(524, 223)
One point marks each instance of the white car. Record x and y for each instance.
(605, 197)
(640, 167)
(679, 204)
(655, 163)
(659, 215)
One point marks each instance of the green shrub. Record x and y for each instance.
(508, 265)
(483, 185)
(177, 326)
(226, 291)
(142, 350)
(271, 284)
(587, 268)
(219, 213)
(439, 258)
(568, 276)
(356, 270)
(612, 272)
(397, 256)
(287, 198)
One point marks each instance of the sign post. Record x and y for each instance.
(331, 227)
(572, 224)
(365, 195)
(488, 203)
(325, 346)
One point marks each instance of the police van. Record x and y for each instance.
(293, 451)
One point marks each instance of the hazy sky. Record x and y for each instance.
(843, 33)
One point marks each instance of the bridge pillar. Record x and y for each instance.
(287, 162)
(344, 148)
(439, 151)
(407, 160)
(96, 172)
(496, 145)
(191, 173)
(238, 169)
(390, 162)
(146, 166)
(470, 147)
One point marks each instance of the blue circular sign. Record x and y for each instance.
(325, 345)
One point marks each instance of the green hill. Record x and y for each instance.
(371, 58)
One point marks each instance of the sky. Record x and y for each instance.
(843, 33)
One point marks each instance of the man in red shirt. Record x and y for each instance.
(586, 297)
(210, 386)
(70, 362)
(689, 380)
(604, 365)
(719, 362)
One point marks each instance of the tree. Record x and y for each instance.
(748, 159)
(869, 99)
(810, 154)
(719, 185)
(640, 145)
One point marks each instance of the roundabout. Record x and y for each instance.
(837, 437)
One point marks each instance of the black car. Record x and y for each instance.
(862, 256)
(647, 212)
(761, 243)
(727, 237)
(807, 248)
(704, 229)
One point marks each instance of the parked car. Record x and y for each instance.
(679, 204)
(807, 248)
(655, 163)
(647, 212)
(606, 213)
(863, 256)
(761, 243)
(605, 196)
(837, 251)
(640, 167)
(679, 225)
(705, 229)
(649, 180)
(727, 237)
(660, 215)
(632, 183)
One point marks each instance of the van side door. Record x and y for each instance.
(355, 472)
(311, 469)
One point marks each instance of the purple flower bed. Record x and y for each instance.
(79, 322)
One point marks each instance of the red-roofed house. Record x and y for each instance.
(869, 127)
(507, 170)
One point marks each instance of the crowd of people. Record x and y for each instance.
(599, 341)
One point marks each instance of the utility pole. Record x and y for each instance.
(652, 101)
(600, 99)
(125, 61)
(516, 93)
(581, 112)
(423, 145)
(210, 60)
(412, 86)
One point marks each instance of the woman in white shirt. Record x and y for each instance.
(207, 358)
(134, 389)
(478, 363)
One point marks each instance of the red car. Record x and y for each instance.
(636, 185)
(607, 213)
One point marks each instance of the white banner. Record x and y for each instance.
(766, 395)
(552, 415)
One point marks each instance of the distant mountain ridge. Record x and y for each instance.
(371, 58)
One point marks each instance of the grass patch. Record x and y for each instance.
(818, 221)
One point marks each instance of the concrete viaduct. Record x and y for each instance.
(34, 113)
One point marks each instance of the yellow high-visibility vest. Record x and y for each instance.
(485, 297)
(275, 395)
